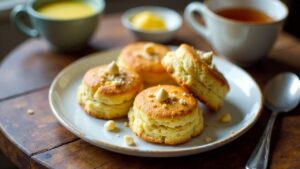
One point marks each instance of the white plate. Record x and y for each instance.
(243, 102)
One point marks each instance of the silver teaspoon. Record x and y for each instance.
(282, 94)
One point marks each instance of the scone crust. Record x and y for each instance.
(150, 70)
(174, 123)
(169, 135)
(198, 65)
(100, 97)
(145, 101)
(191, 52)
(182, 140)
(129, 57)
(110, 114)
(95, 80)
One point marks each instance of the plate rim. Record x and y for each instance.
(134, 150)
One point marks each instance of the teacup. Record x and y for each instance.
(62, 34)
(242, 42)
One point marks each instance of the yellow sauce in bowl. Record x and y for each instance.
(148, 21)
(64, 10)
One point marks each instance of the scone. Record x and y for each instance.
(194, 70)
(145, 59)
(108, 91)
(165, 114)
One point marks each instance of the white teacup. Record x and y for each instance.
(242, 42)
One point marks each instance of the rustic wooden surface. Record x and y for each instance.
(39, 141)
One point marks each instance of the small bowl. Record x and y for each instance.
(171, 18)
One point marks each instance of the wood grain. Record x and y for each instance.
(13, 152)
(30, 66)
(284, 42)
(32, 133)
(286, 148)
(290, 56)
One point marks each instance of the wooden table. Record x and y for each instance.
(39, 141)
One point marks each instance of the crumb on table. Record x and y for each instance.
(30, 111)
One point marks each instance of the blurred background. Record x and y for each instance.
(10, 37)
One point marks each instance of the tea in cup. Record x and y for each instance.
(244, 31)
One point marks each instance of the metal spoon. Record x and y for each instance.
(282, 94)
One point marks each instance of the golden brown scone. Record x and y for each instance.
(145, 59)
(165, 114)
(107, 91)
(194, 70)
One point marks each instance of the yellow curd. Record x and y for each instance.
(66, 10)
(148, 21)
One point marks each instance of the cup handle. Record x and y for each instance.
(189, 17)
(15, 17)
